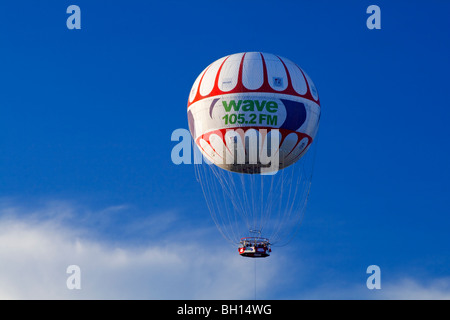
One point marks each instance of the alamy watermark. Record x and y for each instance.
(74, 20)
(74, 280)
(259, 148)
(374, 20)
(374, 280)
(237, 148)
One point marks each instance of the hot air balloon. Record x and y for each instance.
(254, 117)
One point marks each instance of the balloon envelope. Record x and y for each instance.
(238, 101)
(254, 116)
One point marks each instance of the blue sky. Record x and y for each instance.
(85, 149)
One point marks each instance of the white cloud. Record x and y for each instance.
(411, 289)
(151, 257)
(34, 255)
(396, 288)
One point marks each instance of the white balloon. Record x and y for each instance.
(253, 91)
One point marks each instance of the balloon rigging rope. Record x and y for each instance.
(270, 204)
